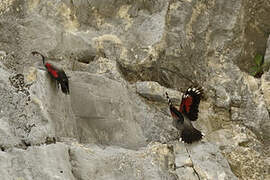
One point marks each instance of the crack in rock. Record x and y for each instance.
(189, 155)
(71, 163)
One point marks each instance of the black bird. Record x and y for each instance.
(188, 112)
(56, 73)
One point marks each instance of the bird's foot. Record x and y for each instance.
(203, 135)
(180, 140)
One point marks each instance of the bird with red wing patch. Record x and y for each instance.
(190, 103)
(52, 70)
(56, 73)
(188, 109)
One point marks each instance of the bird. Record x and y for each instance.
(188, 112)
(56, 73)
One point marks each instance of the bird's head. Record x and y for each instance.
(35, 53)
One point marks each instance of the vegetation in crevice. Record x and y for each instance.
(260, 66)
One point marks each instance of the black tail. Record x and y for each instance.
(190, 135)
(63, 80)
(38, 53)
(64, 87)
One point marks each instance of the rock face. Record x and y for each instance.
(204, 160)
(121, 57)
(154, 162)
(43, 162)
(100, 105)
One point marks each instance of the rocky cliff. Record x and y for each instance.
(121, 56)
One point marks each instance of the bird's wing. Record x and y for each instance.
(190, 103)
(52, 70)
(63, 80)
(176, 114)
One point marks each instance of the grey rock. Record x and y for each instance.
(154, 91)
(155, 121)
(240, 93)
(182, 157)
(11, 112)
(186, 173)
(265, 88)
(201, 161)
(41, 162)
(243, 157)
(155, 126)
(3, 53)
(54, 116)
(7, 138)
(103, 111)
(209, 162)
(267, 52)
(106, 67)
(93, 162)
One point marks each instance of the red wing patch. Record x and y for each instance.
(186, 103)
(190, 103)
(52, 70)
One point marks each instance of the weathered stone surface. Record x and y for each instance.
(266, 87)
(106, 67)
(40, 162)
(209, 162)
(156, 161)
(14, 100)
(267, 52)
(155, 121)
(201, 161)
(155, 126)
(154, 91)
(243, 150)
(249, 163)
(103, 111)
(186, 173)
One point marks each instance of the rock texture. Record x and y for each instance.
(154, 162)
(121, 57)
(42, 162)
(204, 161)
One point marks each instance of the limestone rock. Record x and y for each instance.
(186, 173)
(267, 52)
(201, 161)
(54, 114)
(41, 162)
(154, 91)
(107, 67)
(103, 111)
(242, 150)
(266, 88)
(156, 122)
(249, 163)
(209, 163)
(93, 162)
